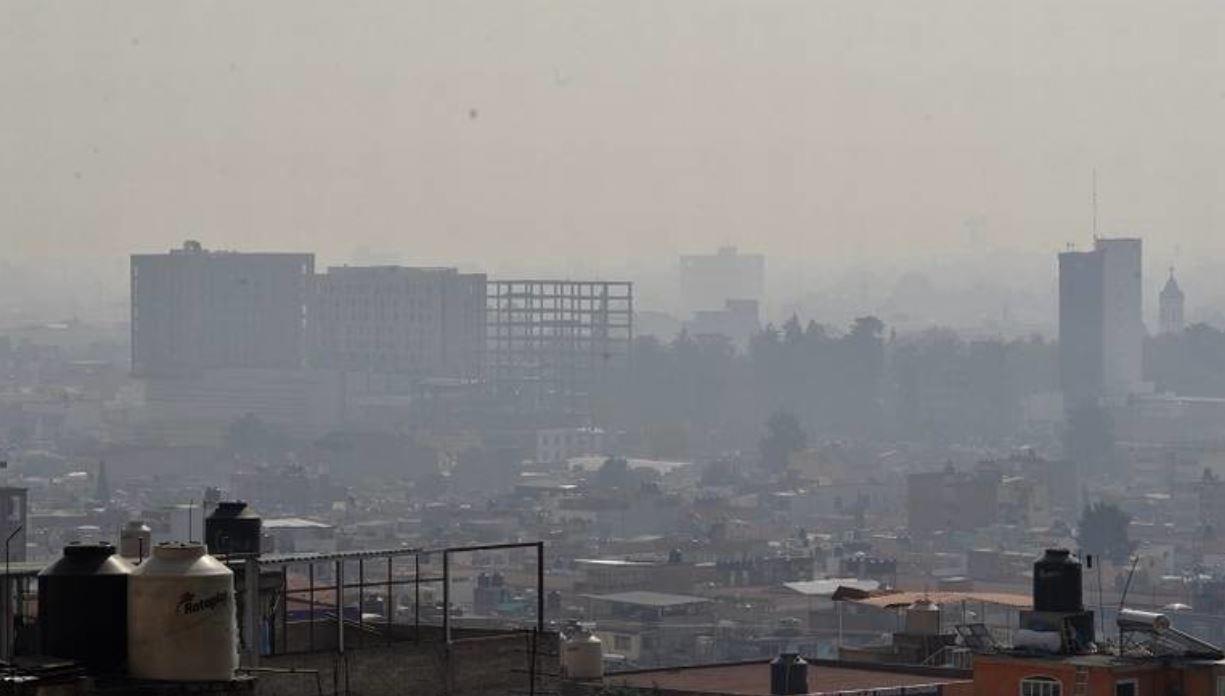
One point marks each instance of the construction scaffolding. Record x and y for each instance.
(554, 346)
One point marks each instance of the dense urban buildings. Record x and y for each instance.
(218, 337)
(1101, 327)
(476, 384)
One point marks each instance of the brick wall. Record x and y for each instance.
(480, 666)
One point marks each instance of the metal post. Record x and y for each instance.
(284, 608)
(540, 587)
(389, 605)
(340, 607)
(310, 585)
(839, 627)
(531, 667)
(417, 596)
(8, 599)
(361, 600)
(446, 597)
(251, 627)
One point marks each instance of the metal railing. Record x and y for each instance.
(326, 603)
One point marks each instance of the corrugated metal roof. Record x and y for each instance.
(905, 599)
(649, 599)
(828, 586)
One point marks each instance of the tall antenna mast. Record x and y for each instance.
(1095, 202)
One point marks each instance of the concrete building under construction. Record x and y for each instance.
(552, 346)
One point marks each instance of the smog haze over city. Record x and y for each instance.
(600, 343)
(846, 140)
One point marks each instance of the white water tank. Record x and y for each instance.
(135, 541)
(582, 654)
(923, 618)
(181, 620)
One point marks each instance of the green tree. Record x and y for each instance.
(784, 437)
(1103, 531)
(614, 473)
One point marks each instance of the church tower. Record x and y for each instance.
(1170, 305)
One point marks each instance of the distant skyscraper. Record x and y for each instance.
(1101, 328)
(194, 309)
(1170, 307)
(708, 281)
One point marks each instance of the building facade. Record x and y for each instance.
(195, 309)
(1101, 328)
(738, 321)
(423, 322)
(708, 281)
(950, 500)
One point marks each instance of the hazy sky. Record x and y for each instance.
(522, 134)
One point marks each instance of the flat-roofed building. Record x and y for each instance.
(1101, 327)
(708, 281)
(824, 677)
(422, 322)
(195, 309)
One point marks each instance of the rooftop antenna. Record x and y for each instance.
(1095, 203)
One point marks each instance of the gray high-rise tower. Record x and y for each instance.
(1101, 327)
(195, 309)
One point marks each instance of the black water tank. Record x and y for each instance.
(1057, 582)
(232, 528)
(83, 607)
(788, 675)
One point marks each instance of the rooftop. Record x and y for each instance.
(753, 678)
(294, 523)
(905, 599)
(828, 586)
(649, 599)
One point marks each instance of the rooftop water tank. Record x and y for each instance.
(788, 675)
(923, 618)
(582, 654)
(181, 620)
(1057, 582)
(232, 528)
(135, 541)
(83, 607)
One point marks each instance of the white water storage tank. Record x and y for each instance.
(181, 622)
(582, 654)
(135, 541)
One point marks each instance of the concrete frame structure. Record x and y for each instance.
(552, 344)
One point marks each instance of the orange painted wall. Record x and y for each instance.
(1000, 676)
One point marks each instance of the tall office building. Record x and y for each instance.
(1170, 307)
(423, 322)
(1101, 327)
(708, 281)
(194, 309)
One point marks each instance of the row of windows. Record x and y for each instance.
(1046, 686)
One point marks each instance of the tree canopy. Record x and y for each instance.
(1103, 532)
